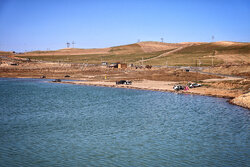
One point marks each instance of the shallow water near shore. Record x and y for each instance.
(51, 124)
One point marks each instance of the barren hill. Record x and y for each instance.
(126, 49)
(149, 46)
(3, 53)
(71, 51)
(154, 53)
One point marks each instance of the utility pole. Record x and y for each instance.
(199, 63)
(213, 58)
(196, 72)
(142, 61)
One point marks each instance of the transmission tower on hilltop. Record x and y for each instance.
(212, 38)
(68, 44)
(73, 43)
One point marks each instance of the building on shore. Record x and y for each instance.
(118, 65)
(122, 66)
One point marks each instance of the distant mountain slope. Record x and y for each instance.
(225, 51)
(154, 53)
(71, 51)
(207, 54)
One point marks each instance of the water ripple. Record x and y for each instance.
(43, 124)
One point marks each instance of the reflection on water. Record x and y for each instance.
(48, 124)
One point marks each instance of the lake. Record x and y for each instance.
(53, 124)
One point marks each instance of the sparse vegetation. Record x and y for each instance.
(97, 58)
(200, 54)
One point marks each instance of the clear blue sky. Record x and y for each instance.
(42, 24)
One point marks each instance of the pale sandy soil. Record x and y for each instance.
(163, 86)
(144, 84)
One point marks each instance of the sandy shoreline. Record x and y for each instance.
(163, 86)
(167, 86)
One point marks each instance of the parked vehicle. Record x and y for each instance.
(194, 85)
(128, 82)
(178, 87)
(57, 80)
(123, 82)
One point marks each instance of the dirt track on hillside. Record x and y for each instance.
(163, 55)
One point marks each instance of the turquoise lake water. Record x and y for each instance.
(50, 124)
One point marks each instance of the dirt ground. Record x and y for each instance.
(231, 69)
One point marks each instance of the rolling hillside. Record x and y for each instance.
(154, 53)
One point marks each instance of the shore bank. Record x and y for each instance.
(164, 86)
(234, 97)
(242, 100)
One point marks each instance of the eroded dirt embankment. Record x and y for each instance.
(242, 100)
